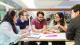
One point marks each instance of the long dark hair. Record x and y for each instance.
(61, 15)
(9, 18)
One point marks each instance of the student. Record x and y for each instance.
(58, 25)
(73, 31)
(23, 22)
(58, 22)
(8, 31)
(39, 24)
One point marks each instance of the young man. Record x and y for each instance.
(73, 32)
(23, 22)
(39, 24)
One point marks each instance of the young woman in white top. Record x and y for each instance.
(58, 25)
(8, 30)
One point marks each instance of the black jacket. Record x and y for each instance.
(73, 32)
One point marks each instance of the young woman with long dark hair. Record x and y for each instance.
(8, 30)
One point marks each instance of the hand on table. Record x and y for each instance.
(50, 31)
(23, 31)
(37, 31)
(25, 35)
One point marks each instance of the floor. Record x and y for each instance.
(69, 43)
(49, 43)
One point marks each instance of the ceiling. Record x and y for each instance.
(40, 3)
(13, 3)
(55, 4)
(50, 3)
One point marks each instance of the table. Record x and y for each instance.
(46, 37)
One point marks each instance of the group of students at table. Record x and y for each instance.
(56, 25)
(39, 24)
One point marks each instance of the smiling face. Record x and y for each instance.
(57, 18)
(25, 15)
(40, 17)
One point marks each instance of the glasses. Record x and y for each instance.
(26, 15)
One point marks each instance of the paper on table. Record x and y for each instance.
(34, 36)
(54, 36)
(51, 35)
